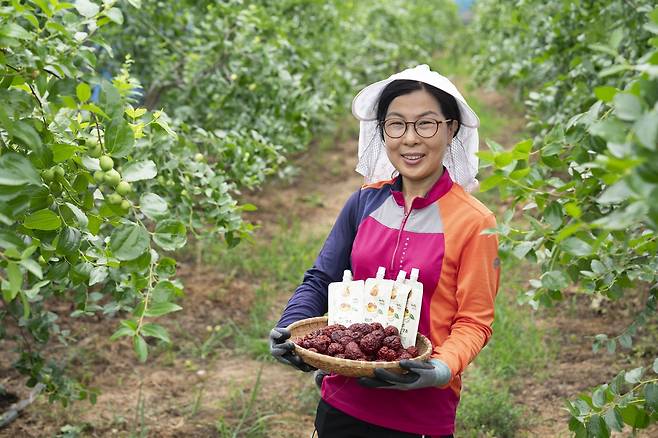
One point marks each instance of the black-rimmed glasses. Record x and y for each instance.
(426, 128)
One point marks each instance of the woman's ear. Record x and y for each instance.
(453, 128)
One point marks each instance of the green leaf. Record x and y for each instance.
(577, 427)
(554, 280)
(553, 215)
(42, 220)
(170, 235)
(166, 267)
(119, 138)
(77, 214)
(115, 15)
(573, 210)
(627, 106)
(15, 277)
(165, 291)
(33, 267)
(491, 182)
(522, 149)
(616, 193)
(98, 275)
(596, 427)
(520, 173)
(25, 134)
(646, 129)
(610, 129)
(611, 346)
(522, 249)
(626, 340)
(156, 331)
(141, 348)
(122, 331)
(634, 375)
(94, 109)
(159, 309)
(503, 159)
(634, 417)
(86, 8)
(598, 267)
(605, 94)
(62, 152)
(153, 206)
(68, 242)
(129, 241)
(16, 170)
(651, 395)
(613, 70)
(83, 92)
(655, 365)
(577, 247)
(14, 31)
(613, 419)
(617, 384)
(598, 398)
(139, 170)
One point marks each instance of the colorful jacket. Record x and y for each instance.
(459, 268)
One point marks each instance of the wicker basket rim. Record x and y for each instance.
(354, 364)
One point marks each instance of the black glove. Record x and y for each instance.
(319, 376)
(283, 350)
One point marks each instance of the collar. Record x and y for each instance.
(440, 188)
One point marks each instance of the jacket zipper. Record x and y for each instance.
(397, 243)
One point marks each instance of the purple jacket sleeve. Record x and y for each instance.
(310, 297)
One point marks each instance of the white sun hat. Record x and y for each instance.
(460, 158)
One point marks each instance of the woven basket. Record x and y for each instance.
(347, 367)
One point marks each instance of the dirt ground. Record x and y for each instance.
(180, 394)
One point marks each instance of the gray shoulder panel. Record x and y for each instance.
(425, 220)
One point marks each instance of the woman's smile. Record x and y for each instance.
(412, 158)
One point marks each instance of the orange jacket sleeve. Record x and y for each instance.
(477, 279)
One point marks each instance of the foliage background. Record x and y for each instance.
(197, 102)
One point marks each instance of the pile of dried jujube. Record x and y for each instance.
(360, 341)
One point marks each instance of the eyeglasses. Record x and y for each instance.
(426, 128)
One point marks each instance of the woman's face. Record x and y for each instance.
(418, 159)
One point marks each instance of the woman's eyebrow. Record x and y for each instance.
(418, 116)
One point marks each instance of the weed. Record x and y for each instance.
(245, 419)
(516, 348)
(487, 408)
(308, 398)
(140, 429)
(275, 268)
(216, 337)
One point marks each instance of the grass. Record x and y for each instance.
(276, 267)
(245, 418)
(516, 349)
(280, 261)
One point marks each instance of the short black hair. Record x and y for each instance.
(447, 102)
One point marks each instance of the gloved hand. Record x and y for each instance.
(432, 373)
(319, 376)
(283, 350)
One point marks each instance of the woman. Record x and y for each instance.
(417, 124)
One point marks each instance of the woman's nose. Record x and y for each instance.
(410, 137)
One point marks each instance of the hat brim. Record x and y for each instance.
(364, 105)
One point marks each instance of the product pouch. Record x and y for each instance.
(376, 298)
(346, 301)
(396, 306)
(412, 310)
